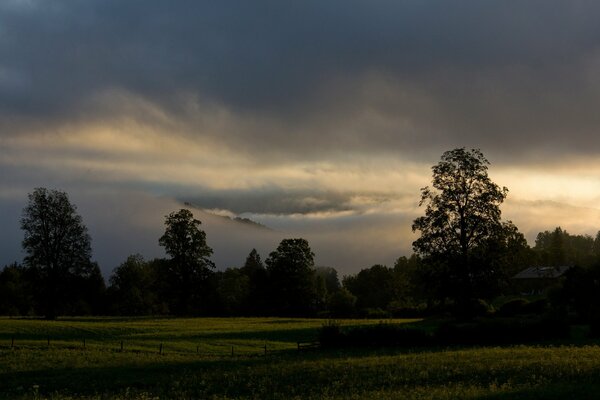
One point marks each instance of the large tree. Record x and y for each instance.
(56, 244)
(190, 265)
(292, 278)
(462, 228)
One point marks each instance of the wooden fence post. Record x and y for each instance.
(160, 350)
(197, 349)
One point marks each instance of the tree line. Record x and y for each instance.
(465, 254)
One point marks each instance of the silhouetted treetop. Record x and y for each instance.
(462, 207)
(57, 244)
(463, 242)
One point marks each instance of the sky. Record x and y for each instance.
(317, 119)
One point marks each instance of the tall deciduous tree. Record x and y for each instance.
(190, 265)
(462, 220)
(57, 244)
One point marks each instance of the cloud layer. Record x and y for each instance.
(273, 78)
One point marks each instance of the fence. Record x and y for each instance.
(211, 348)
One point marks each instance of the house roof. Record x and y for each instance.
(542, 272)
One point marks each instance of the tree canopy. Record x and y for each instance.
(292, 277)
(57, 244)
(190, 264)
(462, 222)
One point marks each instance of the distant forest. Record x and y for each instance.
(465, 258)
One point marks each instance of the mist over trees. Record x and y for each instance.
(465, 254)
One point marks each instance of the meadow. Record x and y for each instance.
(196, 361)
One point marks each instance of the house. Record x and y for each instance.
(537, 280)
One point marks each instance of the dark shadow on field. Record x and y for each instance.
(560, 391)
(260, 377)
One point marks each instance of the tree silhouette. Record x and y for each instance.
(292, 278)
(190, 266)
(57, 245)
(258, 289)
(133, 288)
(373, 287)
(461, 221)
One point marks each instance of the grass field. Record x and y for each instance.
(197, 363)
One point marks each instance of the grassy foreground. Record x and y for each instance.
(197, 363)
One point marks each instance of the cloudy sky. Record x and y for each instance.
(318, 119)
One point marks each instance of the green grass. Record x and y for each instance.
(208, 336)
(65, 370)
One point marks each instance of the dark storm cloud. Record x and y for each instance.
(327, 76)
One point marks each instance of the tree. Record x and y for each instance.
(406, 285)
(133, 290)
(373, 287)
(190, 266)
(233, 289)
(254, 269)
(558, 247)
(16, 296)
(87, 291)
(57, 244)
(253, 263)
(292, 278)
(330, 277)
(462, 219)
(341, 303)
